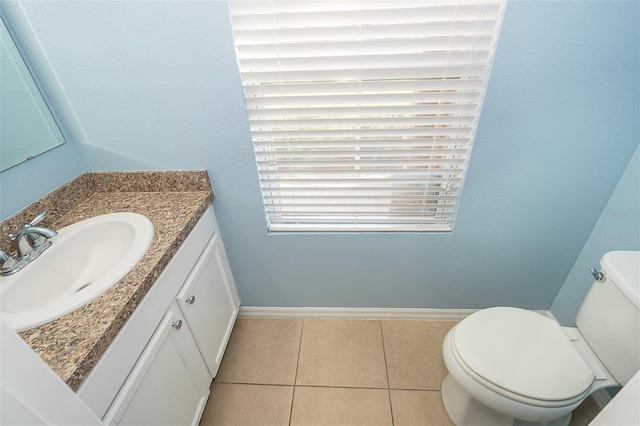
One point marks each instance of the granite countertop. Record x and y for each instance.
(173, 201)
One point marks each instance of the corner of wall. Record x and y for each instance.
(618, 228)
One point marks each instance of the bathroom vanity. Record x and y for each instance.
(147, 349)
(159, 367)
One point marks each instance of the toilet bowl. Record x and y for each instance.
(512, 366)
(518, 363)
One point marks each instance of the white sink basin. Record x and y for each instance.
(84, 260)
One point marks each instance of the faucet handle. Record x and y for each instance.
(34, 221)
(37, 219)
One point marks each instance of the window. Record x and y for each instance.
(363, 113)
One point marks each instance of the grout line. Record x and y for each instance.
(386, 371)
(254, 384)
(295, 377)
(325, 386)
(360, 387)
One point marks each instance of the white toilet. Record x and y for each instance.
(510, 365)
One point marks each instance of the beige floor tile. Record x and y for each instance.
(245, 405)
(415, 408)
(342, 353)
(414, 353)
(340, 406)
(262, 351)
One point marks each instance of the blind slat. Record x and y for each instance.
(364, 87)
(364, 99)
(363, 174)
(284, 65)
(365, 133)
(445, 218)
(435, 143)
(390, 72)
(361, 154)
(401, 206)
(255, 8)
(354, 227)
(286, 188)
(311, 16)
(333, 198)
(374, 32)
(396, 122)
(341, 47)
(337, 112)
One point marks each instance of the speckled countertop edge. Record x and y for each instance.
(174, 201)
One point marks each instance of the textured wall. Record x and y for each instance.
(154, 85)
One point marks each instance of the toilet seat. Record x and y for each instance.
(522, 356)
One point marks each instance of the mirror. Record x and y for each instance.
(27, 126)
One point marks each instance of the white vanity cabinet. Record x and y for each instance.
(207, 301)
(169, 385)
(159, 368)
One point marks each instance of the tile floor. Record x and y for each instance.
(334, 372)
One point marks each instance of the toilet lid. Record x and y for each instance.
(522, 352)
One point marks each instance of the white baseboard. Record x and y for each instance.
(364, 313)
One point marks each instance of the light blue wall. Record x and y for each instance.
(618, 228)
(155, 85)
(26, 182)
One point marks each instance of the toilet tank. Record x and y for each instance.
(609, 317)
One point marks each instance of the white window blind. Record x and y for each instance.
(363, 113)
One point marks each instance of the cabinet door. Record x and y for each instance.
(207, 302)
(166, 387)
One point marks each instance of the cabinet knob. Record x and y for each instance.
(177, 324)
(190, 299)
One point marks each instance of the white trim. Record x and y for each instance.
(367, 313)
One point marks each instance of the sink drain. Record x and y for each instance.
(83, 287)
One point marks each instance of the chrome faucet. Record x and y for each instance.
(31, 241)
(4, 257)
